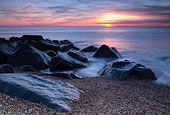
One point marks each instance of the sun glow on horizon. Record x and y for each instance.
(108, 25)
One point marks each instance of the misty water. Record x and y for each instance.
(148, 46)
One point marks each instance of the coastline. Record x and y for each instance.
(101, 95)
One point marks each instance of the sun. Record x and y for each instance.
(108, 25)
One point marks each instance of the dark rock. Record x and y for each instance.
(27, 68)
(106, 52)
(120, 70)
(54, 94)
(64, 62)
(89, 49)
(50, 53)
(6, 68)
(56, 41)
(3, 40)
(78, 55)
(126, 70)
(5, 50)
(14, 39)
(115, 50)
(144, 73)
(32, 37)
(67, 47)
(47, 45)
(25, 54)
(65, 42)
(66, 75)
(30, 42)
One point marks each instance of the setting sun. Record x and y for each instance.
(108, 25)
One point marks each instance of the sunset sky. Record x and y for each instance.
(85, 13)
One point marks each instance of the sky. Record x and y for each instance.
(85, 13)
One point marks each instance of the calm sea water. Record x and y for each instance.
(148, 46)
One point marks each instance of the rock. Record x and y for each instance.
(89, 49)
(78, 55)
(120, 70)
(64, 62)
(3, 40)
(14, 39)
(32, 37)
(27, 68)
(47, 45)
(6, 68)
(106, 52)
(65, 42)
(5, 50)
(50, 53)
(115, 50)
(144, 73)
(56, 41)
(126, 70)
(25, 54)
(54, 94)
(67, 47)
(66, 75)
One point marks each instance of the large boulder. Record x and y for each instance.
(27, 68)
(120, 70)
(47, 45)
(51, 53)
(65, 42)
(89, 49)
(25, 54)
(144, 73)
(64, 62)
(53, 93)
(14, 39)
(5, 50)
(6, 68)
(106, 52)
(32, 37)
(67, 47)
(78, 55)
(123, 70)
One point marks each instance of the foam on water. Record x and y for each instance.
(148, 46)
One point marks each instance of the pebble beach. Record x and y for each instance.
(101, 96)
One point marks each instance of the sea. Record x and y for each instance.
(144, 45)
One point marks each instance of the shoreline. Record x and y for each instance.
(101, 95)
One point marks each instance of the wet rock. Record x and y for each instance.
(47, 45)
(56, 41)
(25, 54)
(115, 50)
(50, 53)
(6, 68)
(5, 50)
(67, 47)
(123, 70)
(89, 49)
(65, 42)
(106, 52)
(32, 37)
(27, 68)
(64, 62)
(144, 73)
(54, 94)
(14, 39)
(120, 70)
(66, 75)
(78, 55)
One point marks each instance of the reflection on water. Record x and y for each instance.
(117, 43)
